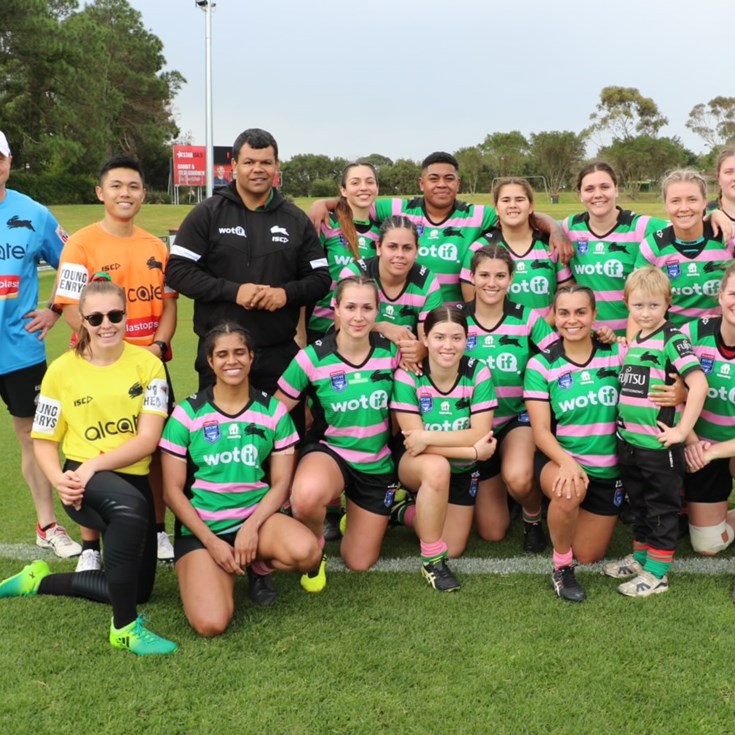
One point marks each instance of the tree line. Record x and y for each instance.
(624, 130)
(80, 85)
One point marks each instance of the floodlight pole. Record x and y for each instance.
(207, 6)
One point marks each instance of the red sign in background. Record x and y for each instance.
(190, 165)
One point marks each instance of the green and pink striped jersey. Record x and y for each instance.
(602, 262)
(442, 245)
(472, 393)
(339, 254)
(349, 403)
(716, 423)
(583, 401)
(421, 293)
(694, 269)
(227, 455)
(537, 274)
(506, 349)
(647, 363)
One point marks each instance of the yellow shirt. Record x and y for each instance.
(94, 409)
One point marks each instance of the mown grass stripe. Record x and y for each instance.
(465, 565)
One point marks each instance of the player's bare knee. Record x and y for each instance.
(711, 540)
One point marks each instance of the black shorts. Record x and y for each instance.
(603, 497)
(491, 468)
(711, 484)
(184, 544)
(463, 487)
(373, 493)
(20, 390)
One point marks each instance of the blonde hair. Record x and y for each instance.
(681, 175)
(95, 287)
(649, 280)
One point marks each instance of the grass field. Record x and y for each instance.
(375, 653)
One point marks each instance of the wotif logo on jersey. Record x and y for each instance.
(611, 268)
(721, 393)
(377, 400)
(505, 362)
(538, 285)
(247, 455)
(708, 288)
(239, 231)
(605, 396)
(457, 425)
(445, 251)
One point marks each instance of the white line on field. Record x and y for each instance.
(465, 565)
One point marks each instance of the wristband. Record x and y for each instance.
(55, 308)
(161, 346)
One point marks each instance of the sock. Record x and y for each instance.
(658, 562)
(433, 552)
(42, 531)
(261, 568)
(91, 545)
(160, 528)
(529, 517)
(640, 552)
(563, 560)
(408, 516)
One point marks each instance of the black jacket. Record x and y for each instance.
(221, 244)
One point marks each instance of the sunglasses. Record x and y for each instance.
(96, 318)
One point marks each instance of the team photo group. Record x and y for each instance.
(421, 362)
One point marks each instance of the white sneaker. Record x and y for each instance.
(165, 549)
(57, 539)
(644, 585)
(623, 568)
(89, 561)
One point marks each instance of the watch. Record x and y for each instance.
(55, 308)
(161, 346)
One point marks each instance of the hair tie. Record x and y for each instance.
(100, 276)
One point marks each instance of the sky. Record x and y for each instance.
(407, 77)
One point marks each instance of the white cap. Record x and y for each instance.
(4, 147)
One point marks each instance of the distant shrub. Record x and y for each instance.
(55, 188)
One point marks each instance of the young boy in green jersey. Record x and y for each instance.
(650, 441)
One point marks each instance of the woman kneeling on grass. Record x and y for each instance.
(227, 462)
(571, 392)
(106, 401)
(445, 414)
(504, 335)
(348, 375)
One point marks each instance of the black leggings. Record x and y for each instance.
(120, 506)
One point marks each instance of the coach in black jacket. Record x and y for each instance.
(247, 255)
